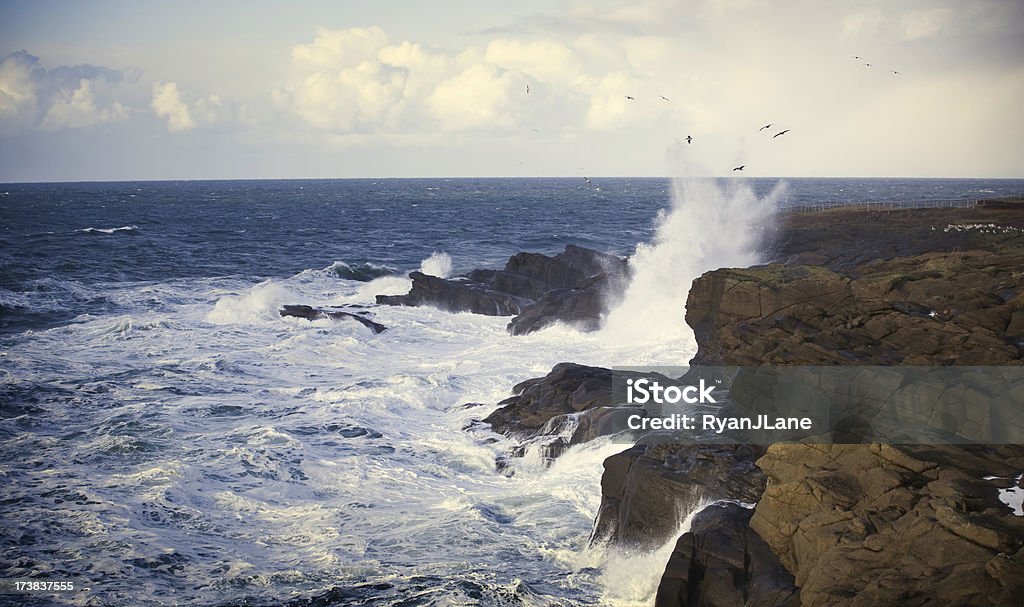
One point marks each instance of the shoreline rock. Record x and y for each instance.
(852, 524)
(722, 561)
(573, 287)
(310, 313)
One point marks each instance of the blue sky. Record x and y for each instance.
(231, 89)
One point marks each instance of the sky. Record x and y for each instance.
(125, 90)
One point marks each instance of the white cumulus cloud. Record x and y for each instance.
(65, 97)
(171, 103)
(77, 109)
(168, 103)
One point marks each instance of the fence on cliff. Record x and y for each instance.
(897, 205)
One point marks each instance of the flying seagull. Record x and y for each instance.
(780, 133)
(856, 57)
(895, 73)
(689, 139)
(630, 98)
(665, 98)
(867, 65)
(739, 168)
(767, 126)
(527, 89)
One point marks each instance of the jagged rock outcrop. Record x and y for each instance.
(311, 313)
(570, 405)
(572, 287)
(646, 491)
(722, 562)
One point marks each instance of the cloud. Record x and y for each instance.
(77, 109)
(169, 102)
(65, 97)
(925, 23)
(863, 23)
(332, 48)
(479, 97)
(18, 96)
(544, 60)
(356, 81)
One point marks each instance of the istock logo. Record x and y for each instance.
(643, 391)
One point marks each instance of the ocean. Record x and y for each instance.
(167, 438)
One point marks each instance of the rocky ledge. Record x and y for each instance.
(570, 405)
(866, 524)
(572, 287)
(894, 525)
(857, 524)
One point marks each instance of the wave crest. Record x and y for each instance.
(363, 272)
(130, 229)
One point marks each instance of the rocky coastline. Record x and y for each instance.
(799, 524)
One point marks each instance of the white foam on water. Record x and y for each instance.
(258, 456)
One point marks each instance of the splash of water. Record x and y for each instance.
(438, 264)
(710, 225)
(631, 577)
(260, 303)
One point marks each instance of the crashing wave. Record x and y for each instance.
(363, 272)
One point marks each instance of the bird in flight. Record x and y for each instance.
(630, 98)
(527, 89)
(739, 168)
(767, 126)
(689, 139)
(895, 73)
(665, 98)
(780, 133)
(867, 65)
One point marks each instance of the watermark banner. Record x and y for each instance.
(835, 404)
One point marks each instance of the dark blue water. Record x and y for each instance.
(55, 237)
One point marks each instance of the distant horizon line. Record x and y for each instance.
(493, 177)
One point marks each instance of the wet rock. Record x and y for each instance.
(570, 405)
(648, 490)
(311, 313)
(573, 287)
(722, 562)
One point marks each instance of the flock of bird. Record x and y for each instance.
(689, 138)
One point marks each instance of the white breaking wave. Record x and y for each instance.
(711, 225)
(438, 264)
(131, 228)
(261, 302)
